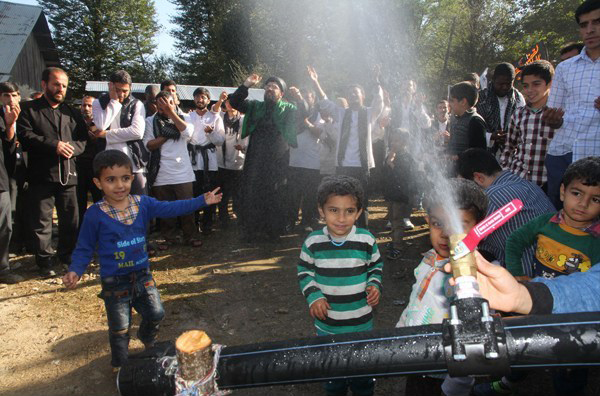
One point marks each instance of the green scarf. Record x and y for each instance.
(284, 117)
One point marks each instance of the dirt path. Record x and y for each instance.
(55, 341)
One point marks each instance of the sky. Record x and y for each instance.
(164, 11)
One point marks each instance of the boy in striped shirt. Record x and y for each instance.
(340, 271)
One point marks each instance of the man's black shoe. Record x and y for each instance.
(11, 279)
(47, 272)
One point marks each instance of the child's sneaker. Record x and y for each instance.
(492, 389)
(394, 254)
(408, 225)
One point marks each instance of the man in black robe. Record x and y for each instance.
(271, 125)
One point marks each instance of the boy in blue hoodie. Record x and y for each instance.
(116, 227)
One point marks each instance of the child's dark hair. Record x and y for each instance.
(108, 159)
(163, 94)
(477, 160)
(467, 196)
(340, 185)
(541, 68)
(473, 78)
(586, 170)
(465, 90)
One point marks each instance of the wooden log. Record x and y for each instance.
(195, 358)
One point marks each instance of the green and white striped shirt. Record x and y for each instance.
(341, 274)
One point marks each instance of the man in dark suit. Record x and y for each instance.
(53, 133)
(9, 98)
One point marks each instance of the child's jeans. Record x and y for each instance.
(339, 387)
(121, 293)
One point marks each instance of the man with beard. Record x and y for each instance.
(498, 103)
(208, 135)
(119, 118)
(271, 126)
(85, 173)
(53, 134)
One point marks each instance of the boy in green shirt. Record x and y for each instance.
(566, 241)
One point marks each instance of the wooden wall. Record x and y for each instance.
(29, 65)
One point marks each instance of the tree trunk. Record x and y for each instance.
(195, 358)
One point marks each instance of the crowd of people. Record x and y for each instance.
(301, 152)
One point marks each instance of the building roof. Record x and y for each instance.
(185, 92)
(17, 22)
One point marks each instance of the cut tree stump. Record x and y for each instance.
(195, 358)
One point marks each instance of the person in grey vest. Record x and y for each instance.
(120, 119)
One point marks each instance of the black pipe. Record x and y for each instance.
(553, 340)
(391, 352)
(532, 341)
(550, 340)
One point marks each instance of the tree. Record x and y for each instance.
(96, 37)
(211, 36)
(435, 42)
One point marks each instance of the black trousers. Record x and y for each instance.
(363, 177)
(5, 231)
(200, 187)
(229, 181)
(43, 197)
(21, 237)
(303, 184)
(85, 185)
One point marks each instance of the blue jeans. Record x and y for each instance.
(121, 293)
(556, 165)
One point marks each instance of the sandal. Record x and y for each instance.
(195, 243)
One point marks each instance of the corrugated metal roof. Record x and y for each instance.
(16, 23)
(185, 92)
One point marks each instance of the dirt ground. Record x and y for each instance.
(55, 341)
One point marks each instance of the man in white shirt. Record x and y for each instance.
(170, 170)
(304, 170)
(230, 157)
(355, 145)
(208, 135)
(410, 114)
(119, 119)
(576, 93)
